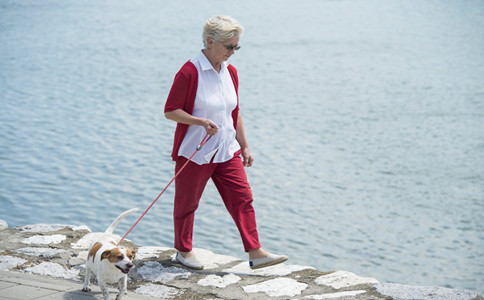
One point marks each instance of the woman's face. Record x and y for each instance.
(220, 51)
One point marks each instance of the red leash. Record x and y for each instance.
(202, 143)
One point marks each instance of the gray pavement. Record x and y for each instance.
(23, 286)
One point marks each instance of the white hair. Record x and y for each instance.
(221, 28)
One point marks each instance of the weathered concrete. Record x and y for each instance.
(60, 251)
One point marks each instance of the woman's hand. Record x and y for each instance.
(210, 126)
(244, 145)
(247, 157)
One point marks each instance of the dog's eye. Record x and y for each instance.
(120, 257)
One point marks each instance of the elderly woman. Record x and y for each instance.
(204, 99)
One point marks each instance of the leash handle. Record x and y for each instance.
(202, 143)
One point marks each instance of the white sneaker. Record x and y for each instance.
(267, 261)
(191, 262)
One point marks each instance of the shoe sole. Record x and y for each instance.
(270, 263)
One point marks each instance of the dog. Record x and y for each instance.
(110, 263)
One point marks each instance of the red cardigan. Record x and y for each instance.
(182, 96)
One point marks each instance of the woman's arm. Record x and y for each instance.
(244, 144)
(181, 116)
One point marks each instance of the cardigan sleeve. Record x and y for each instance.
(178, 93)
(235, 79)
(182, 96)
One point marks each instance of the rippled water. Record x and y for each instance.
(365, 119)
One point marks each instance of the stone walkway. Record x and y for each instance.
(47, 262)
(16, 285)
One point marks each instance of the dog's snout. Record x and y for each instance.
(130, 265)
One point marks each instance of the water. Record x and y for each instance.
(364, 117)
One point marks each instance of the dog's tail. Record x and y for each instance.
(118, 219)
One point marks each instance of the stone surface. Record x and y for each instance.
(405, 292)
(60, 251)
(343, 279)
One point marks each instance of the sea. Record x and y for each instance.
(365, 119)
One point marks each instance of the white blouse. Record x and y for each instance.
(215, 100)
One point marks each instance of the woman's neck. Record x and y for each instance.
(215, 64)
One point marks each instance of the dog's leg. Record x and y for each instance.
(104, 289)
(123, 287)
(87, 280)
(125, 281)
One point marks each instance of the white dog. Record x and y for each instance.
(109, 262)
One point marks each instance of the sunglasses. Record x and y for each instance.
(230, 48)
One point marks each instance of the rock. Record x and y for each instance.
(61, 250)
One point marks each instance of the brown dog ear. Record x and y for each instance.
(105, 254)
(131, 253)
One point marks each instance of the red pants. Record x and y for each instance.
(231, 182)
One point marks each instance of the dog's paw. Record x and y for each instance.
(86, 289)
